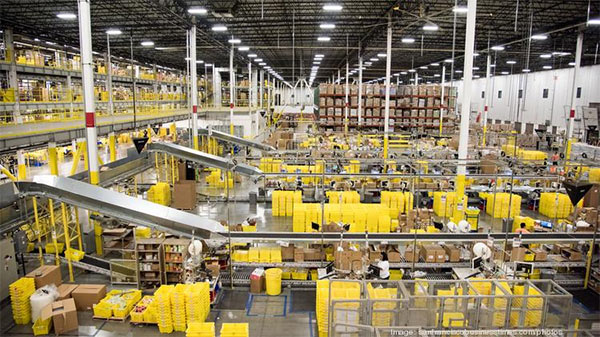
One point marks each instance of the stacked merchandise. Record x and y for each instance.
(197, 302)
(443, 203)
(20, 291)
(141, 312)
(239, 255)
(200, 329)
(343, 197)
(160, 193)
(254, 254)
(270, 165)
(555, 205)
(499, 301)
(594, 175)
(282, 202)
(304, 215)
(497, 205)
(532, 310)
(235, 330)
(178, 307)
(117, 303)
(395, 201)
(215, 179)
(348, 311)
(162, 297)
(382, 310)
(527, 155)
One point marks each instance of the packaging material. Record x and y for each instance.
(298, 255)
(214, 269)
(452, 252)
(410, 256)
(572, 254)
(257, 281)
(433, 253)
(86, 295)
(41, 298)
(313, 254)
(518, 254)
(287, 253)
(65, 290)
(540, 254)
(348, 260)
(46, 275)
(394, 256)
(184, 195)
(63, 314)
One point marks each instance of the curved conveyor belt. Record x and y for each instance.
(234, 140)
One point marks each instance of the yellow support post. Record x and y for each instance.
(63, 210)
(166, 168)
(7, 173)
(173, 169)
(52, 159)
(588, 266)
(85, 156)
(484, 134)
(386, 144)
(21, 167)
(78, 229)
(173, 130)
(76, 156)
(100, 160)
(39, 229)
(576, 326)
(112, 146)
(157, 168)
(53, 230)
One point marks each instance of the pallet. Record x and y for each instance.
(142, 323)
(113, 318)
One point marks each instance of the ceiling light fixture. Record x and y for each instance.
(374, 59)
(258, 60)
(547, 67)
(594, 21)
(324, 38)
(262, 64)
(66, 16)
(382, 55)
(475, 68)
(539, 37)
(546, 56)
(572, 64)
(319, 55)
(244, 48)
(234, 41)
(435, 64)
(252, 55)
(219, 28)
(411, 70)
(332, 7)
(197, 10)
(147, 43)
(408, 40)
(436, 75)
(327, 26)
(498, 48)
(526, 70)
(423, 67)
(113, 32)
(511, 62)
(430, 27)
(448, 60)
(460, 9)
(504, 73)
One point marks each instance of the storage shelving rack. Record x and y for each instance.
(175, 255)
(119, 241)
(150, 267)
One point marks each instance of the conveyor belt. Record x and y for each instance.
(203, 158)
(89, 263)
(120, 206)
(407, 237)
(233, 139)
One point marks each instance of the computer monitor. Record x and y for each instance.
(476, 262)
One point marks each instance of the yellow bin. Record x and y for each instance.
(273, 278)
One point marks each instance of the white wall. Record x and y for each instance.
(536, 109)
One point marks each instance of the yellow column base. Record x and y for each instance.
(22, 171)
(386, 144)
(484, 134)
(94, 177)
(112, 147)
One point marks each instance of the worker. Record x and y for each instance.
(522, 229)
(384, 267)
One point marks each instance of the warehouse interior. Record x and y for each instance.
(311, 168)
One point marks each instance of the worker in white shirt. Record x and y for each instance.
(384, 267)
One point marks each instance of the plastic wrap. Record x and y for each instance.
(41, 298)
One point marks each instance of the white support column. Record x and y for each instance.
(231, 90)
(416, 78)
(463, 143)
(194, 87)
(388, 74)
(87, 77)
(268, 92)
(13, 82)
(216, 88)
(488, 95)
(71, 93)
(261, 92)
(574, 86)
(155, 85)
(346, 102)
(339, 80)
(360, 80)
(109, 76)
(250, 89)
(442, 99)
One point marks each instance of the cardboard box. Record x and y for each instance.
(518, 254)
(312, 254)
(540, 254)
(214, 269)
(287, 253)
(184, 195)
(63, 314)
(298, 255)
(452, 252)
(257, 281)
(65, 290)
(394, 256)
(410, 256)
(348, 260)
(46, 275)
(571, 254)
(430, 253)
(86, 295)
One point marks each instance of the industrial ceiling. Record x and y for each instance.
(284, 33)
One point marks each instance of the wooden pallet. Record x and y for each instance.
(113, 318)
(142, 323)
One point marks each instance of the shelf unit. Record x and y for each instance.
(119, 240)
(174, 257)
(149, 256)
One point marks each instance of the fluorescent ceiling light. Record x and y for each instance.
(436, 75)
(435, 64)
(332, 7)
(475, 54)
(448, 60)
(258, 60)
(476, 76)
(539, 37)
(546, 56)
(327, 26)
(408, 40)
(411, 70)
(458, 71)
(50, 43)
(460, 9)
(262, 64)
(475, 68)
(572, 64)
(374, 59)
(492, 65)
(113, 32)
(504, 73)
(197, 10)
(187, 58)
(319, 55)
(511, 62)
(382, 55)
(547, 67)
(526, 70)
(252, 55)
(423, 67)
(594, 21)
(316, 62)
(368, 63)
(234, 41)
(498, 48)
(561, 53)
(219, 28)
(430, 27)
(199, 61)
(245, 48)
(36, 39)
(66, 16)
(267, 67)
(324, 38)
(403, 73)
(147, 43)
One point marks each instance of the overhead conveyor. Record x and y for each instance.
(121, 206)
(234, 140)
(204, 158)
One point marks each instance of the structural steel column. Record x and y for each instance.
(488, 94)
(574, 90)
(347, 102)
(194, 89)
(231, 91)
(87, 74)
(13, 83)
(109, 76)
(21, 167)
(112, 146)
(442, 98)
(360, 79)
(466, 103)
(388, 74)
